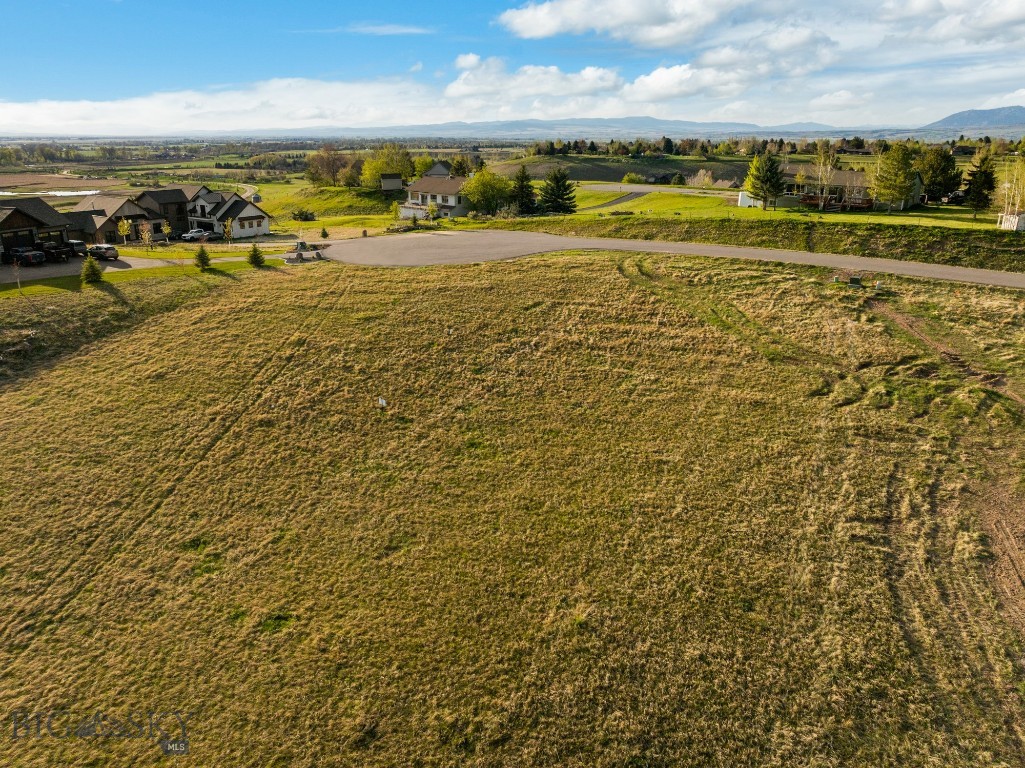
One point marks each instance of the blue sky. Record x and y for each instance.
(145, 67)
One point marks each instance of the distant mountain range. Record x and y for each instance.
(981, 119)
(1007, 122)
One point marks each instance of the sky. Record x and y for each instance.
(149, 67)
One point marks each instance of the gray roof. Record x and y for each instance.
(37, 208)
(841, 178)
(84, 221)
(232, 211)
(168, 195)
(109, 205)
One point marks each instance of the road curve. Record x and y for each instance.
(467, 247)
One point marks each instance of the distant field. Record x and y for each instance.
(602, 168)
(619, 510)
(669, 204)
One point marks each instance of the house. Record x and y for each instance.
(25, 220)
(391, 182)
(210, 210)
(170, 204)
(96, 218)
(440, 170)
(726, 184)
(444, 193)
(847, 190)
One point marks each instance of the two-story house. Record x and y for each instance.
(442, 192)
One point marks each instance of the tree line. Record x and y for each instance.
(894, 177)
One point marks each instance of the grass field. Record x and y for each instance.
(619, 511)
(602, 168)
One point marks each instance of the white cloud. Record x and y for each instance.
(418, 67)
(467, 61)
(385, 30)
(842, 99)
(489, 77)
(1014, 99)
(652, 23)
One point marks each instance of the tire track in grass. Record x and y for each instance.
(260, 384)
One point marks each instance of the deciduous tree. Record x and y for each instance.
(325, 166)
(487, 191)
(390, 158)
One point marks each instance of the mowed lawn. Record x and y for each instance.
(618, 510)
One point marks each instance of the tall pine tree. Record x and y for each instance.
(765, 180)
(523, 196)
(558, 193)
(982, 180)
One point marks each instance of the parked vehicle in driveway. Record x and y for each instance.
(195, 234)
(28, 257)
(55, 253)
(78, 247)
(104, 252)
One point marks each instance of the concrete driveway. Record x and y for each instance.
(467, 247)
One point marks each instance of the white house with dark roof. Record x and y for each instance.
(445, 193)
(210, 210)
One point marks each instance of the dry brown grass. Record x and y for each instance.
(620, 511)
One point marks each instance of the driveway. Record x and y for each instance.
(468, 247)
(644, 189)
(74, 267)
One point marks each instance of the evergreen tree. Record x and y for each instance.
(523, 195)
(894, 179)
(765, 180)
(558, 193)
(91, 272)
(981, 182)
(255, 256)
(939, 172)
(202, 258)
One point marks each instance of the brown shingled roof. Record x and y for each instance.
(438, 185)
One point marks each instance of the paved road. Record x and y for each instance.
(643, 189)
(74, 267)
(467, 247)
(618, 201)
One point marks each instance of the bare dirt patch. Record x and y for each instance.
(47, 182)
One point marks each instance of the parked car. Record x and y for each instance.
(27, 257)
(195, 234)
(954, 198)
(78, 247)
(103, 252)
(54, 252)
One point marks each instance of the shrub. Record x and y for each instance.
(202, 258)
(323, 233)
(255, 256)
(91, 272)
(303, 214)
(633, 178)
